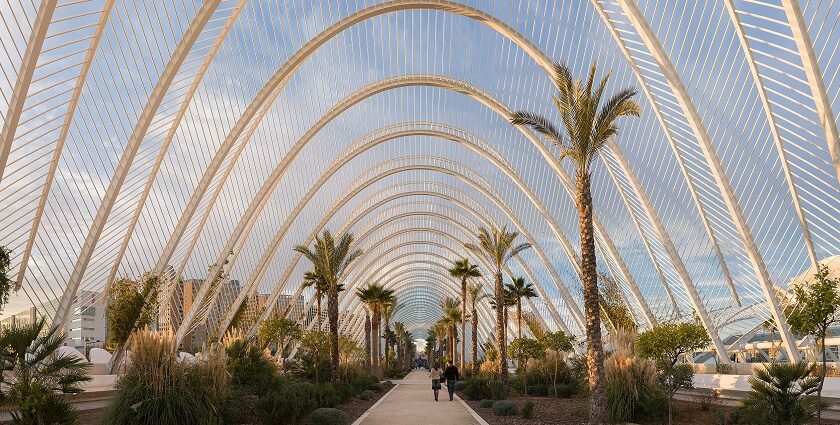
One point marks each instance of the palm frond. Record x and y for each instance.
(539, 124)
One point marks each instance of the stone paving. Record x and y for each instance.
(412, 402)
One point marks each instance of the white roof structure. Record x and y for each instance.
(168, 136)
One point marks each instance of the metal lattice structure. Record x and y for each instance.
(159, 137)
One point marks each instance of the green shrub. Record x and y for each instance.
(327, 416)
(345, 390)
(724, 369)
(289, 404)
(366, 395)
(782, 393)
(486, 403)
(326, 395)
(251, 370)
(460, 385)
(156, 388)
(538, 390)
(483, 386)
(498, 391)
(389, 384)
(377, 386)
(528, 410)
(505, 408)
(562, 390)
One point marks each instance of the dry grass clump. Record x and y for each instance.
(633, 390)
(156, 388)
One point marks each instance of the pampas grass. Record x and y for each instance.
(158, 389)
(633, 390)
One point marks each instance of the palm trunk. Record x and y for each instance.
(332, 306)
(474, 324)
(377, 320)
(385, 339)
(318, 310)
(519, 315)
(500, 328)
(463, 321)
(595, 353)
(367, 344)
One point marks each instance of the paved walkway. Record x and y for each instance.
(412, 402)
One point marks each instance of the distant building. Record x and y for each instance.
(87, 326)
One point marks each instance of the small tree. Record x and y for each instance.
(523, 349)
(558, 342)
(128, 310)
(817, 309)
(666, 344)
(279, 331)
(5, 280)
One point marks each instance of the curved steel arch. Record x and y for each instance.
(281, 285)
(695, 121)
(815, 79)
(129, 152)
(34, 44)
(280, 78)
(269, 92)
(363, 145)
(265, 191)
(484, 191)
(400, 281)
(443, 234)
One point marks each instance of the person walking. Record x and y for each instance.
(452, 376)
(435, 374)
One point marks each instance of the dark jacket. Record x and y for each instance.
(451, 373)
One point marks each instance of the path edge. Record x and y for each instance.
(475, 415)
(367, 412)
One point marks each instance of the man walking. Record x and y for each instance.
(451, 375)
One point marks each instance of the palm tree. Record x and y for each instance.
(439, 330)
(462, 269)
(509, 301)
(312, 279)
(330, 260)
(498, 246)
(367, 344)
(452, 318)
(475, 294)
(588, 122)
(388, 310)
(399, 330)
(34, 373)
(375, 296)
(520, 289)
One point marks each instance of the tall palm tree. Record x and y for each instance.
(520, 289)
(439, 329)
(399, 329)
(588, 122)
(312, 279)
(367, 344)
(375, 296)
(330, 259)
(499, 247)
(452, 318)
(475, 294)
(462, 269)
(388, 310)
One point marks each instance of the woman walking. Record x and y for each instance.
(435, 374)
